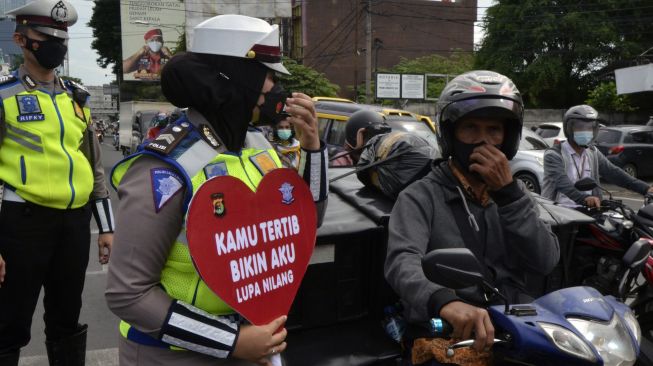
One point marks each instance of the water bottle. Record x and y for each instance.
(393, 324)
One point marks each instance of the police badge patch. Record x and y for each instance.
(165, 184)
(29, 108)
(286, 193)
(218, 204)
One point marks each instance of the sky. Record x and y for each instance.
(83, 57)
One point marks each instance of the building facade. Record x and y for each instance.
(103, 102)
(330, 36)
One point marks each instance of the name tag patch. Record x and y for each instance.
(29, 108)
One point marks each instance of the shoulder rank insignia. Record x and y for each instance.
(263, 162)
(29, 82)
(207, 135)
(168, 139)
(165, 184)
(80, 94)
(7, 79)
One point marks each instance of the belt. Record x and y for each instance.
(11, 196)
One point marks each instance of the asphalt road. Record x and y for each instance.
(103, 334)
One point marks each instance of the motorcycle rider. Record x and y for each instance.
(361, 127)
(469, 199)
(577, 158)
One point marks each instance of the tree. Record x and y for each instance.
(106, 33)
(306, 80)
(604, 98)
(556, 51)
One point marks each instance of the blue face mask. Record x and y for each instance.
(583, 138)
(284, 134)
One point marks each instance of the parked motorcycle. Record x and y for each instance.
(571, 326)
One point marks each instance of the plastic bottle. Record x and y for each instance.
(393, 323)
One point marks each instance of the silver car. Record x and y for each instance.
(528, 163)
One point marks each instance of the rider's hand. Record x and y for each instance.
(258, 343)
(650, 190)
(3, 270)
(304, 119)
(464, 319)
(592, 202)
(492, 165)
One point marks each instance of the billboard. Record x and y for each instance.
(150, 32)
(400, 86)
(634, 79)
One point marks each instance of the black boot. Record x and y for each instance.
(69, 351)
(9, 358)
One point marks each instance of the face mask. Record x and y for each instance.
(284, 134)
(155, 46)
(583, 138)
(49, 53)
(273, 108)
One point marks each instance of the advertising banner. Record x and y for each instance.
(253, 248)
(150, 32)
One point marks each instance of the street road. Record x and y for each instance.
(103, 334)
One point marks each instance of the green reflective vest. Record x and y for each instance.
(40, 156)
(179, 277)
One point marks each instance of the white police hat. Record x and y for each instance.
(240, 36)
(51, 17)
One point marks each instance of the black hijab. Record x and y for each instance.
(223, 89)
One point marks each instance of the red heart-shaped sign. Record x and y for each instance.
(252, 249)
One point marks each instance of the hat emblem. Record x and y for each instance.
(59, 12)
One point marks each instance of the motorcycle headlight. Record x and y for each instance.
(568, 342)
(612, 340)
(633, 325)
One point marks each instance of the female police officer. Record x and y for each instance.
(226, 81)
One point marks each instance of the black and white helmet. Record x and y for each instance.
(480, 93)
(580, 114)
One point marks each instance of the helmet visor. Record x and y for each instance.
(582, 125)
(482, 107)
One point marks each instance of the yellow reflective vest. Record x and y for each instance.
(40, 156)
(179, 277)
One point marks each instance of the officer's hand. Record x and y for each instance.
(104, 243)
(166, 51)
(258, 343)
(3, 269)
(492, 165)
(464, 319)
(592, 201)
(303, 118)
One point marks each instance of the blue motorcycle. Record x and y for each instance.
(571, 326)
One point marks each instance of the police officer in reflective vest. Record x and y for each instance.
(226, 81)
(51, 178)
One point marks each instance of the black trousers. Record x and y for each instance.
(42, 247)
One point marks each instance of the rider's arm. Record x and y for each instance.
(554, 169)
(313, 169)
(616, 175)
(409, 234)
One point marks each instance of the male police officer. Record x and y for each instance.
(53, 176)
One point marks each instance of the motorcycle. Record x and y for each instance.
(116, 140)
(571, 326)
(99, 134)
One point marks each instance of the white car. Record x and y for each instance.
(528, 163)
(551, 132)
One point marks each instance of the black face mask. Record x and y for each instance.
(273, 109)
(49, 53)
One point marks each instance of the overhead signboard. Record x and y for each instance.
(634, 79)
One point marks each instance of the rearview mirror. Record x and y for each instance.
(637, 254)
(455, 268)
(585, 184)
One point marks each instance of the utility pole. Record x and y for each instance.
(368, 53)
(356, 53)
